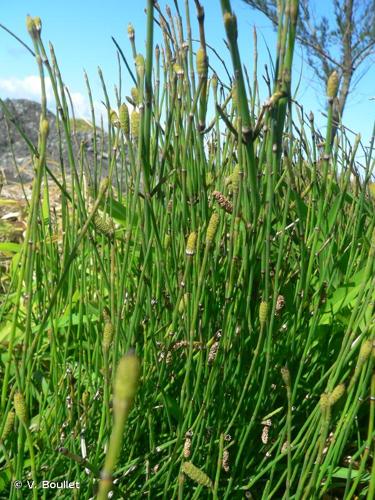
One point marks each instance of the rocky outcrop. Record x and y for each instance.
(15, 156)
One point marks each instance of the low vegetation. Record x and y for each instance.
(232, 248)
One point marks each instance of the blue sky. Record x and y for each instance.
(81, 34)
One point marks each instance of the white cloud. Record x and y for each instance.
(29, 88)
(24, 88)
(80, 104)
(82, 107)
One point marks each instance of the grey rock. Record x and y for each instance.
(27, 114)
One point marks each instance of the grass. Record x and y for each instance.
(81, 125)
(238, 262)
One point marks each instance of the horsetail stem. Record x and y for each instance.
(288, 281)
(114, 118)
(20, 407)
(233, 179)
(8, 426)
(325, 406)
(263, 313)
(107, 335)
(124, 391)
(135, 95)
(364, 354)
(223, 201)
(202, 62)
(125, 385)
(134, 123)
(124, 119)
(212, 228)
(191, 244)
(336, 394)
(104, 226)
(196, 474)
(332, 85)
